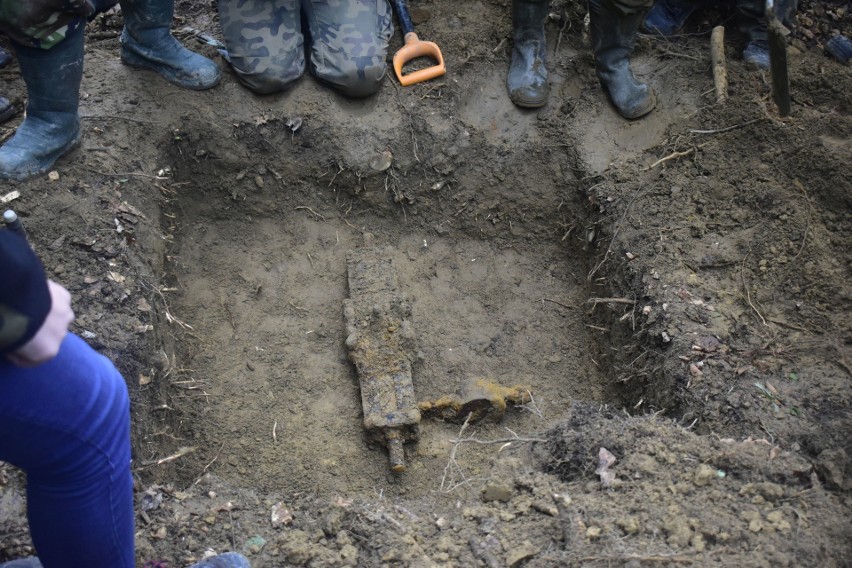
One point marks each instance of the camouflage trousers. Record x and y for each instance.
(347, 39)
(44, 23)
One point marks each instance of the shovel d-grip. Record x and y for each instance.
(414, 48)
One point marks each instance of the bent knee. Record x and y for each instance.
(357, 77)
(268, 75)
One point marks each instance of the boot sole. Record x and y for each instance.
(526, 103)
(72, 145)
(133, 60)
(652, 104)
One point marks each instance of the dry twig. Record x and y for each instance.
(717, 56)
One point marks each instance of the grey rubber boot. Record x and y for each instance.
(527, 80)
(22, 563)
(226, 560)
(52, 126)
(613, 38)
(147, 41)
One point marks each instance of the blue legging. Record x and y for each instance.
(66, 423)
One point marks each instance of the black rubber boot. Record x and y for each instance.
(52, 126)
(613, 38)
(147, 41)
(527, 80)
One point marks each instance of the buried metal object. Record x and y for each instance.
(478, 398)
(382, 347)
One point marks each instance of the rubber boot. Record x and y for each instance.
(667, 17)
(226, 560)
(839, 47)
(22, 563)
(52, 126)
(752, 23)
(613, 38)
(147, 41)
(527, 80)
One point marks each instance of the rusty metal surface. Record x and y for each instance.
(477, 399)
(382, 346)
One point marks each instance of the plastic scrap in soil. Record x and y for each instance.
(254, 545)
(605, 461)
(280, 515)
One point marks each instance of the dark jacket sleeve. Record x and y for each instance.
(24, 296)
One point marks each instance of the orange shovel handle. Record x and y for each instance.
(413, 49)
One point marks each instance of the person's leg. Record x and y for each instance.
(614, 24)
(527, 79)
(667, 17)
(147, 41)
(52, 126)
(349, 43)
(265, 43)
(752, 22)
(66, 423)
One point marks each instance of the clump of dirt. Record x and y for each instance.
(688, 269)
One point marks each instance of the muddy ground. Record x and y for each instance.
(674, 290)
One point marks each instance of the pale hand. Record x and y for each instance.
(46, 342)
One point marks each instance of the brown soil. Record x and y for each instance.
(672, 289)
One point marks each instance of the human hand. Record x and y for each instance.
(45, 343)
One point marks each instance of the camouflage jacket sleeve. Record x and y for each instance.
(44, 23)
(24, 297)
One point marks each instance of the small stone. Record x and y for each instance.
(521, 554)
(53, 176)
(593, 532)
(703, 475)
(630, 525)
(630, 256)
(381, 162)
(496, 492)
